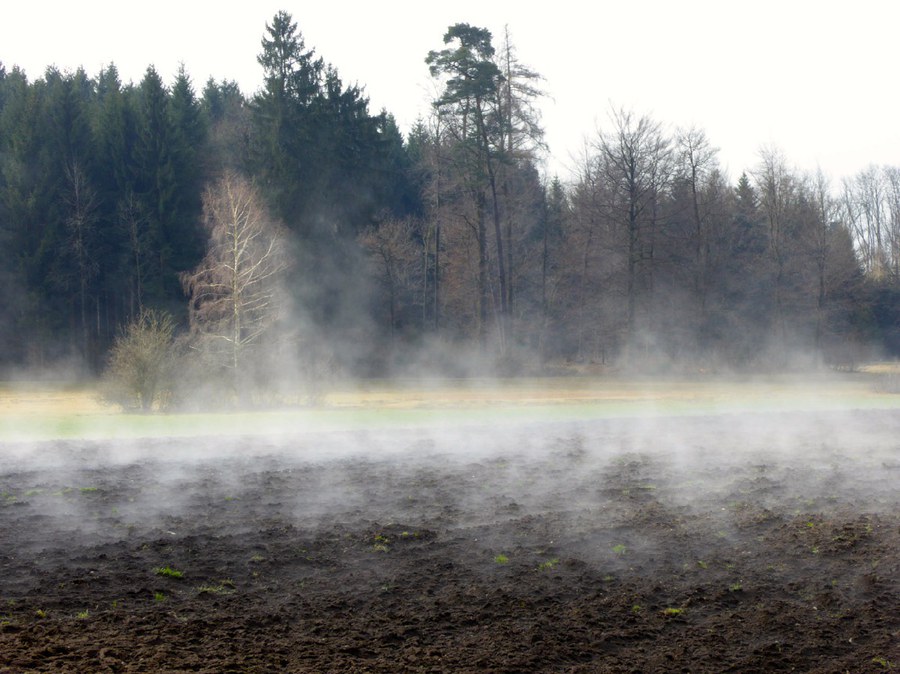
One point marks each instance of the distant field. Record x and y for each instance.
(45, 411)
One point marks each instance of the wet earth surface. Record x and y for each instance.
(718, 544)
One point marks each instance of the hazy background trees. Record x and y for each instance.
(485, 186)
(112, 193)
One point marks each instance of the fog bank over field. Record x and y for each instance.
(653, 505)
(587, 473)
(585, 426)
(537, 443)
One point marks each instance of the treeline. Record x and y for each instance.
(101, 185)
(406, 249)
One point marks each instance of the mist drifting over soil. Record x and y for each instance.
(758, 541)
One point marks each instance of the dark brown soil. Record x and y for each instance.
(763, 544)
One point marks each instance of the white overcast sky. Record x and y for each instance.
(816, 79)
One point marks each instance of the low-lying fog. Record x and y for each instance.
(460, 478)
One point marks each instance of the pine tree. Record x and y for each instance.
(189, 137)
(227, 118)
(283, 152)
(165, 190)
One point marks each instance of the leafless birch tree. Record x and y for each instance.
(234, 295)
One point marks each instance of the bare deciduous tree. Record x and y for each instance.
(696, 160)
(234, 291)
(635, 160)
(777, 188)
(394, 254)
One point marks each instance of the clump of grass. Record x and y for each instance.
(501, 559)
(619, 549)
(637, 608)
(735, 587)
(83, 615)
(381, 543)
(222, 587)
(159, 597)
(168, 572)
(549, 564)
(671, 612)
(884, 662)
(40, 613)
(88, 490)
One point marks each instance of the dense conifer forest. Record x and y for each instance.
(368, 251)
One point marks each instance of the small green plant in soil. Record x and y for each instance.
(159, 597)
(501, 559)
(883, 662)
(671, 612)
(381, 543)
(702, 564)
(735, 587)
(40, 613)
(619, 549)
(168, 572)
(637, 608)
(88, 490)
(83, 615)
(549, 564)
